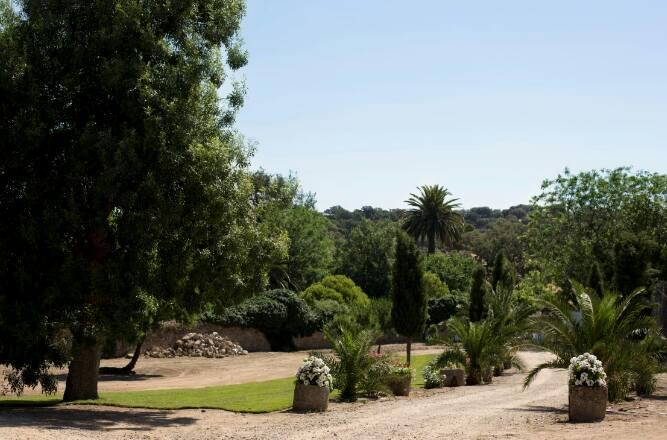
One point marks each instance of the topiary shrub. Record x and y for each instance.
(338, 288)
(280, 314)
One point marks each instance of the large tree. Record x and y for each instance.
(432, 217)
(122, 184)
(409, 303)
(608, 216)
(366, 257)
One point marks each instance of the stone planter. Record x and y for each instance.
(487, 375)
(454, 377)
(400, 385)
(310, 398)
(587, 404)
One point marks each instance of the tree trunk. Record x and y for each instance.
(408, 348)
(431, 243)
(83, 371)
(379, 348)
(129, 368)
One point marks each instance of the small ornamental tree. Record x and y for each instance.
(409, 304)
(478, 289)
(595, 280)
(503, 276)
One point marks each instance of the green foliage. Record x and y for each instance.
(503, 275)
(409, 303)
(619, 331)
(585, 217)
(350, 365)
(121, 171)
(432, 217)
(532, 287)
(380, 310)
(632, 260)
(433, 287)
(280, 314)
(478, 349)
(503, 234)
(595, 280)
(443, 308)
(366, 257)
(432, 376)
(478, 294)
(453, 268)
(337, 288)
(311, 246)
(346, 221)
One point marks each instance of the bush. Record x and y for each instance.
(280, 314)
(441, 309)
(432, 376)
(433, 286)
(337, 288)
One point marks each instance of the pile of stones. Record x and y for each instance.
(199, 345)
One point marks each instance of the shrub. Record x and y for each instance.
(337, 288)
(280, 314)
(586, 370)
(433, 287)
(432, 376)
(441, 309)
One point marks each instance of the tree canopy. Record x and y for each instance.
(125, 181)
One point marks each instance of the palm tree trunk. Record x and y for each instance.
(431, 243)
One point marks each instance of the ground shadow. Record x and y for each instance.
(540, 408)
(117, 377)
(108, 419)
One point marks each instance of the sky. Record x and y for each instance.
(365, 100)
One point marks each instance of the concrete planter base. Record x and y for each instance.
(310, 398)
(587, 404)
(455, 377)
(400, 386)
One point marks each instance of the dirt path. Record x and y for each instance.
(500, 410)
(188, 372)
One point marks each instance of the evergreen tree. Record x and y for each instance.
(478, 289)
(503, 274)
(595, 280)
(409, 304)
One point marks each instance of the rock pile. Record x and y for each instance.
(199, 345)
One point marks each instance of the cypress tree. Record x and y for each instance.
(477, 295)
(595, 280)
(503, 272)
(409, 304)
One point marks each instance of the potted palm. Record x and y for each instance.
(608, 326)
(588, 389)
(313, 383)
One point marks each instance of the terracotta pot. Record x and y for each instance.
(587, 404)
(310, 398)
(454, 377)
(400, 385)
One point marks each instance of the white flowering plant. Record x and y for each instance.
(586, 370)
(432, 376)
(313, 371)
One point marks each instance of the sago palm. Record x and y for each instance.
(432, 217)
(619, 331)
(479, 347)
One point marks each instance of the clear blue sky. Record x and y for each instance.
(365, 100)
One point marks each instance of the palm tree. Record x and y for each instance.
(478, 349)
(619, 331)
(433, 216)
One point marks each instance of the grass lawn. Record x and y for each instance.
(253, 397)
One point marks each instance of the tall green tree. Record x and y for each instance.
(432, 217)
(478, 293)
(595, 280)
(580, 218)
(123, 177)
(409, 303)
(504, 274)
(366, 257)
